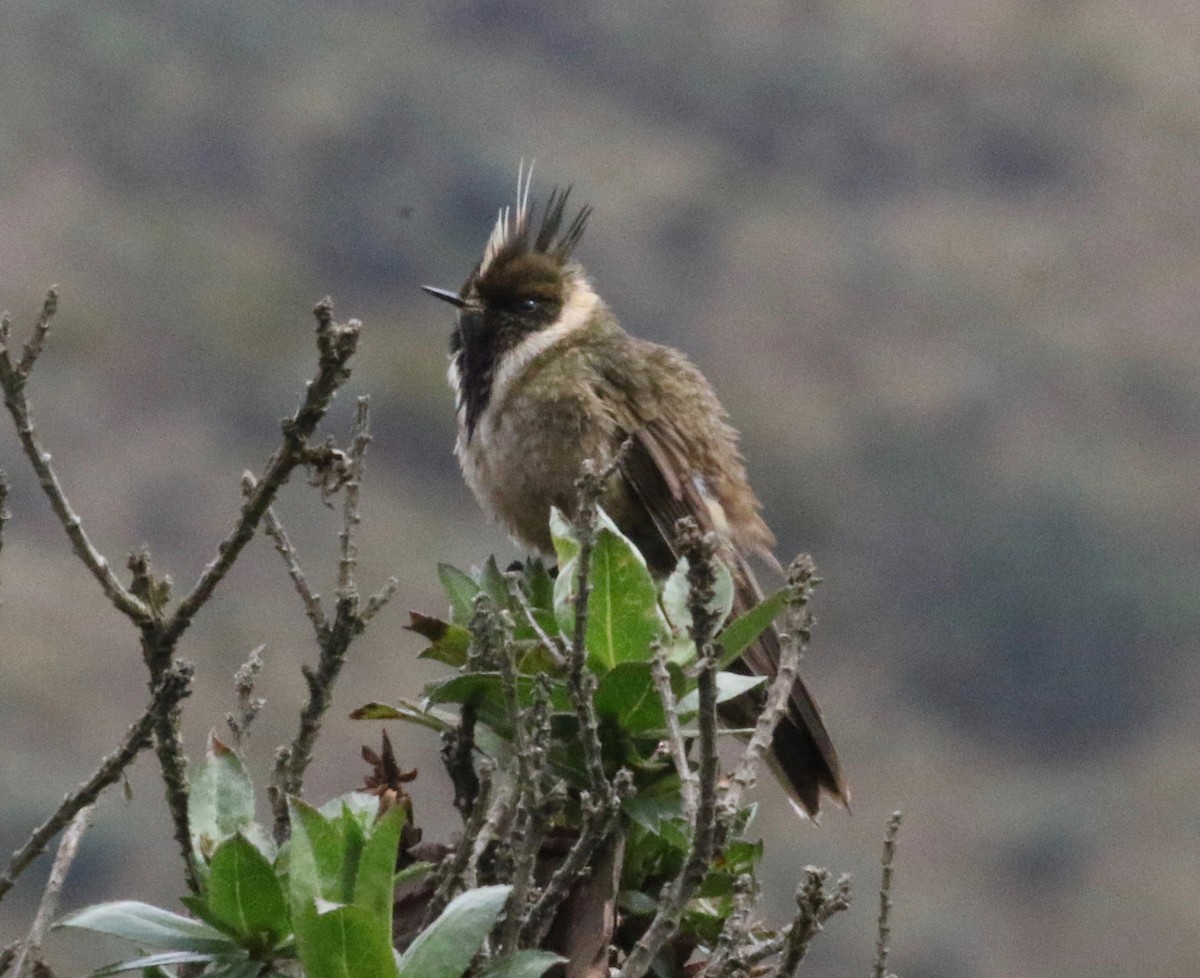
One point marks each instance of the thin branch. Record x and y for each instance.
(31, 949)
(816, 906)
(174, 686)
(37, 339)
(336, 344)
(802, 579)
(727, 956)
(457, 867)
(360, 439)
(13, 378)
(173, 767)
(274, 529)
(248, 704)
(600, 820)
(553, 646)
(676, 744)
(885, 898)
(700, 551)
(320, 682)
(580, 680)
(4, 514)
(377, 600)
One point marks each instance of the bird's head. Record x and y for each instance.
(524, 284)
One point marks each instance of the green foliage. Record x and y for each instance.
(631, 617)
(323, 900)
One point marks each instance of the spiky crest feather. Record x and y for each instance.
(512, 231)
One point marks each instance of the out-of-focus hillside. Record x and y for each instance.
(940, 260)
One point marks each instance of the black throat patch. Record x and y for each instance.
(478, 346)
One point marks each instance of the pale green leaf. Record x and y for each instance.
(151, 926)
(447, 946)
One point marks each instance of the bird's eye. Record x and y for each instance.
(527, 305)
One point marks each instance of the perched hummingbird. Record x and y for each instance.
(545, 378)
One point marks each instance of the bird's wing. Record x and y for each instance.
(656, 469)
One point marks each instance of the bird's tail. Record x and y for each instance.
(802, 754)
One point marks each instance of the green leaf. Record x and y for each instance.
(743, 630)
(730, 685)
(485, 692)
(160, 960)
(460, 592)
(221, 802)
(316, 857)
(676, 590)
(493, 583)
(374, 886)
(402, 710)
(562, 535)
(448, 642)
(343, 942)
(637, 903)
(244, 893)
(362, 805)
(354, 839)
(627, 695)
(237, 969)
(623, 614)
(539, 586)
(447, 946)
(522, 964)
(151, 927)
(651, 811)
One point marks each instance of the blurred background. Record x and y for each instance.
(939, 259)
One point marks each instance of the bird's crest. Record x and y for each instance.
(513, 231)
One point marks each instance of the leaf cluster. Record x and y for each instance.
(509, 636)
(323, 900)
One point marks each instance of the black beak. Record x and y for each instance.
(446, 295)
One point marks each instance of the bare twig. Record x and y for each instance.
(377, 600)
(31, 949)
(248, 704)
(274, 529)
(33, 346)
(4, 514)
(885, 898)
(553, 646)
(174, 687)
(802, 579)
(600, 821)
(336, 344)
(532, 809)
(727, 956)
(455, 870)
(816, 906)
(580, 681)
(13, 378)
(320, 682)
(675, 743)
(700, 553)
(360, 439)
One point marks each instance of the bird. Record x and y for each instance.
(545, 378)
